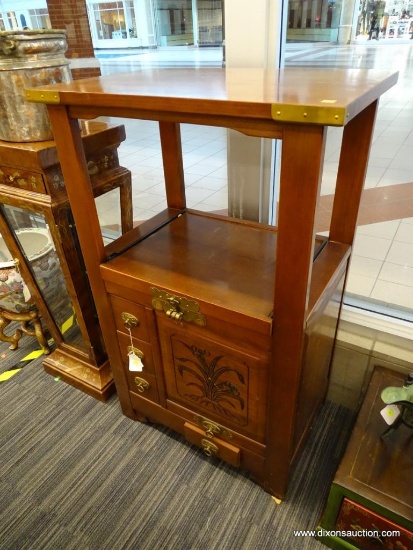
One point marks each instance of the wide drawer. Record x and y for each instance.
(218, 430)
(354, 517)
(130, 316)
(213, 447)
(228, 450)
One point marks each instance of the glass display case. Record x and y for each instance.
(40, 247)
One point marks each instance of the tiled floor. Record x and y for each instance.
(382, 267)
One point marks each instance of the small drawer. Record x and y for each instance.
(354, 517)
(130, 316)
(140, 347)
(22, 179)
(212, 446)
(143, 384)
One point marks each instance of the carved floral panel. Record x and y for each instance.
(211, 379)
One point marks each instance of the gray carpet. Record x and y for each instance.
(77, 474)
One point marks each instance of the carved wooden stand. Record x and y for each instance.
(6, 317)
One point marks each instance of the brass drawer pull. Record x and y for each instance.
(136, 351)
(209, 448)
(212, 429)
(129, 320)
(142, 384)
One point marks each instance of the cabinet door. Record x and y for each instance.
(218, 380)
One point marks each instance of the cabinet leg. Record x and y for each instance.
(141, 418)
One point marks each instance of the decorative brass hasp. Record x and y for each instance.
(178, 308)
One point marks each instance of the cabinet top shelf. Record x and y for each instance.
(316, 96)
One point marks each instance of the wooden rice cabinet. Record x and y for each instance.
(234, 322)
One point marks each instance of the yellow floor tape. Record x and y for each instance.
(33, 355)
(37, 353)
(67, 324)
(8, 374)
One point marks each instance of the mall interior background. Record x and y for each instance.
(135, 34)
(160, 23)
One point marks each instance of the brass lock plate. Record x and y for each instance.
(177, 308)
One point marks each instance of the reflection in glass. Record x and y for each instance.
(109, 214)
(32, 234)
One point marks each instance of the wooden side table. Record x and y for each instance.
(372, 490)
(33, 194)
(233, 322)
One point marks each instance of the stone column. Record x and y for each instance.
(346, 21)
(71, 15)
(252, 40)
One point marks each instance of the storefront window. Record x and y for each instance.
(130, 18)
(11, 16)
(109, 20)
(210, 22)
(174, 22)
(313, 20)
(25, 19)
(39, 19)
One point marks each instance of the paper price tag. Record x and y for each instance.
(390, 413)
(135, 363)
(26, 292)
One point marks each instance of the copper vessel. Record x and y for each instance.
(29, 59)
